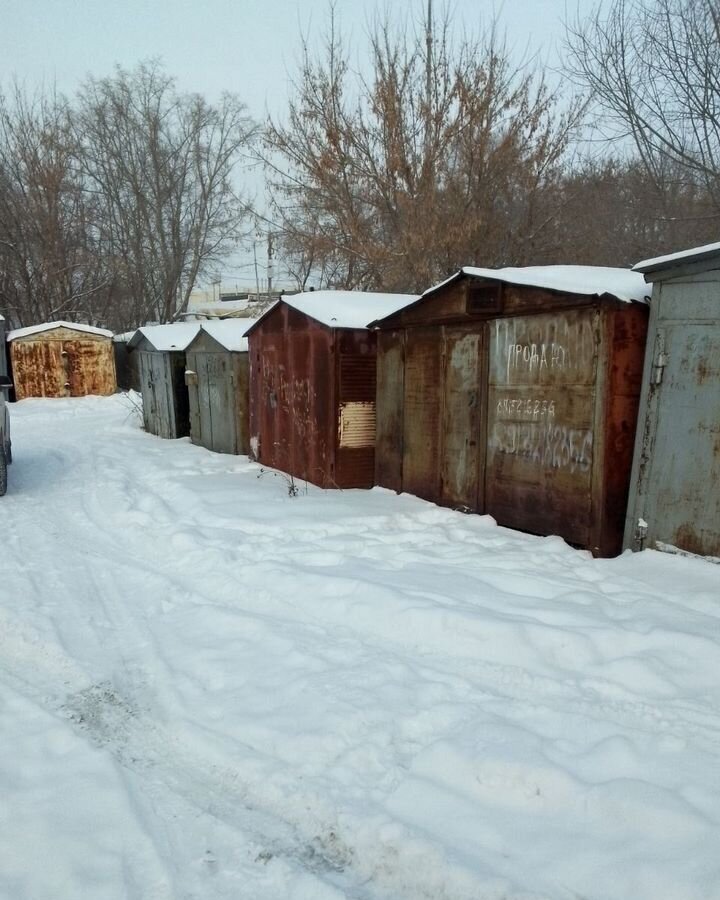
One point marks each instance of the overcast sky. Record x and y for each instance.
(250, 47)
(246, 46)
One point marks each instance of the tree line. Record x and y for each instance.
(112, 205)
(436, 152)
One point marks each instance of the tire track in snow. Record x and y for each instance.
(116, 721)
(590, 697)
(677, 718)
(163, 764)
(109, 708)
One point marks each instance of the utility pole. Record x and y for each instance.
(428, 87)
(257, 278)
(270, 271)
(428, 61)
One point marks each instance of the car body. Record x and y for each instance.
(5, 442)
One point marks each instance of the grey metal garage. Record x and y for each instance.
(217, 378)
(159, 357)
(675, 482)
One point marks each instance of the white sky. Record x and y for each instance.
(246, 46)
(249, 47)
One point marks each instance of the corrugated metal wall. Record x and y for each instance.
(62, 363)
(527, 416)
(218, 385)
(312, 399)
(356, 413)
(542, 384)
(292, 395)
(676, 472)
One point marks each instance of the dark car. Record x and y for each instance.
(5, 444)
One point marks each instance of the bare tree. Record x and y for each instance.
(653, 69)
(52, 264)
(162, 167)
(614, 213)
(435, 160)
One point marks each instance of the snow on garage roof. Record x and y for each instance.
(589, 281)
(229, 332)
(694, 254)
(345, 309)
(51, 326)
(173, 336)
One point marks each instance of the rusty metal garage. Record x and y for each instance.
(312, 385)
(61, 359)
(514, 392)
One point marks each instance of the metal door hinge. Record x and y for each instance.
(641, 530)
(661, 360)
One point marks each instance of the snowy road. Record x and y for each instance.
(210, 689)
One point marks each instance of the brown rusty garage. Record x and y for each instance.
(514, 392)
(312, 385)
(61, 359)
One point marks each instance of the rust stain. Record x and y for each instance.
(687, 538)
(528, 415)
(63, 363)
(541, 413)
(302, 374)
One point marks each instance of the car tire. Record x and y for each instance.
(3, 471)
(8, 453)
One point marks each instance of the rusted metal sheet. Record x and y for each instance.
(38, 369)
(520, 403)
(356, 361)
(431, 397)
(389, 437)
(292, 395)
(462, 436)
(422, 413)
(625, 337)
(675, 498)
(90, 367)
(312, 399)
(62, 363)
(541, 412)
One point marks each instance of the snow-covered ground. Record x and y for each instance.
(211, 689)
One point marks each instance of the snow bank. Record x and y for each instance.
(173, 336)
(230, 333)
(346, 309)
(214, 689)
(666, 261)
(593, 281)
(51, 326)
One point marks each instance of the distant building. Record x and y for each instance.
(240, 302)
